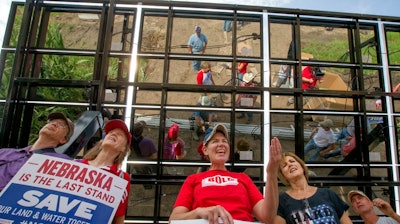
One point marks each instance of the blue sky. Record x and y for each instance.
(4, 9)
(369, 7)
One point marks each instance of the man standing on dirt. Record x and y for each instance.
(197, 45)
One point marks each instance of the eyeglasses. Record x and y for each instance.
(59, 123)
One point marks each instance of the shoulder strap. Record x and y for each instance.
(135, 145)
(41, 151)
(121, 174)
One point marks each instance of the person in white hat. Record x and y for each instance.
(221, 196)
(364, 207)
(197, 44)
(322, 140)
(247, 100)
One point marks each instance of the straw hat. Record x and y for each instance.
(205, 101)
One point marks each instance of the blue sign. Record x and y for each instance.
(54, 190)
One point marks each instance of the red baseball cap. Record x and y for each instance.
(173, 131)
(117, 123)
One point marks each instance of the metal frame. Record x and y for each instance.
(18, 107)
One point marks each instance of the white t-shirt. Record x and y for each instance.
(386, 220)
(324, 138)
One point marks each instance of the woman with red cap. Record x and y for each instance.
(108, 154)
(173, 145)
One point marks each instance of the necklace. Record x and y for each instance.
(308, 210)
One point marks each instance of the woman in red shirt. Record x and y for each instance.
(108, 154)
(219, 195)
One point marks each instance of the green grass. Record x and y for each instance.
(142, 70)
(393, 39)
(334, 50)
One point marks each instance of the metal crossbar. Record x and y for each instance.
(251, 129)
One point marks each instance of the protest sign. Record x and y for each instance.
(204, 221)
(54, 190)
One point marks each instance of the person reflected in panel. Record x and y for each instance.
(283, 75)
(247, 100)
(242, 148)
(346, 134)
(322, 140)
(202, 117)
(396, 88)
(246, 50)
(201, 154)
(143, 148)
(204, 76)
(197, 44)
(174, 146)
(310, 77)
(226, 27)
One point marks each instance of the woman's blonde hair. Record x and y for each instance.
(281, 177)
(205, 65)
(96, 149)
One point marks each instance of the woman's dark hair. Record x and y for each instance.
(138, 128)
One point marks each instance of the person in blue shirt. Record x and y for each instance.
(197, 45)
